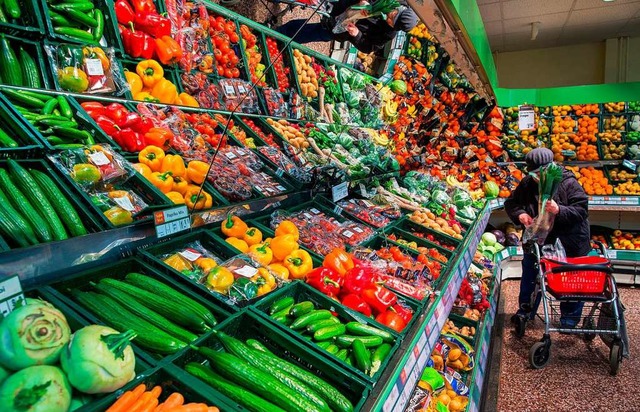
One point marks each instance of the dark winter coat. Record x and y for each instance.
(571, 224)
(374, 34)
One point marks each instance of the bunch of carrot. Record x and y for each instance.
(141, 400)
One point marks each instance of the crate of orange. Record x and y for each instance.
(594, 181)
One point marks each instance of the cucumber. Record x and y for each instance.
(6, 140)
(59, 20)
(342, 354)
(329, 332)
(98, 31)
(3, 19)
(22, 97)
(17, 219)
(324, 345)
(244, 397)
(282, 312)
(61, 123)
(357, 328)
(9, 64)
(322, 323)
(284, 319)
(255, 344)
(74, 32)
(171, 309)
(263, 384)
(281, 304)
(10, 230)
(32, 191)
(50, 105)
(332, 349)
(346, 341)
(12, 8)
(78, 6)
(22, 205)
(379, 355)
(167, 292)
(65, 107)
(336, 400)
(72, 133)
(30, 72)
(239, 349)
(310, 317)
(77, 15)
(301, 308)
(131, 304)
(362, 356)
(114, 315)
(35, 95)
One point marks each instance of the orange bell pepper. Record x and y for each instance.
(338, 260)
(233, 226)
(159, 136)
(188, 100)
(197, 171)
(288, 227)
(168, 50)
(143, 169)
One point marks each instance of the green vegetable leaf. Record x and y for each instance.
(118, 342)
(27, 397)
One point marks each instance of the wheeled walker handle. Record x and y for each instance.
(568, 267)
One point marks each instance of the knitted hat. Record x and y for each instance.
(406, 19)
(537, 158)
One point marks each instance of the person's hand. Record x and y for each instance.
(525, 219)
(352, 30)
(552, 207)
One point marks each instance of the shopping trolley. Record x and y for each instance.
(588, 280)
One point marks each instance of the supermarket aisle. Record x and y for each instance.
(577, 376)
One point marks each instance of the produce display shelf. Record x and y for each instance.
(394, 389)
(600, 203)
(612, 254)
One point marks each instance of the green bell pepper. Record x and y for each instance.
(243, 289)
(70, 56)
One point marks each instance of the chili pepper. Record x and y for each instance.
(146, 97)
(288, 227)
(299, 263)
(85, 173)
(159, 136)
(152, 156)
(279, 270)
(265, 281)
(117, 113)
(133, 81)
(379, 298)
(392, 320)
(175, 197)
(165, 91)
(197, 171)
(252, 236)
(358, 279)
(195, 201)
(233, 226)
(261, 253)
(153, 24)
(282, 246)
(118, 216)
(130, 140)
(405, 313)
(220, 279)
(325, 280)
(175, 165)
(243, 289)
(205, 263)
(338, 260)
(73, 79)
(356, 303)
(150, 72)
(162, 181)
(124, 12)
(144, 6)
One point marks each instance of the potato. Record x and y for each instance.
(307, 59)
(454, 354)
(313, 94)
(444, 398)
(457, 365)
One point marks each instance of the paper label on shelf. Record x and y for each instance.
(125, 203)
(307, 215)
(314, 211)
(246, 271)
(629, 165)
(526, 117)
(230, 155)
(99, 158)
(190, 254)
(175, 226)
(390, 403)
(229, 90)
(348, 234)
(337, 210)
(279, 172)
(357, 229)
(94, 67)
(612, 254)
(339, 191)
(10, 295)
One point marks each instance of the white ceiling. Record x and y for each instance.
(562, 22)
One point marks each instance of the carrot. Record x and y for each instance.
(175, 399)
(150, 406)
(190, 407)
(147, 399)
(127, 400)
(213, 409)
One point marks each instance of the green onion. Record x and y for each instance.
(383, 7)
(550, 178)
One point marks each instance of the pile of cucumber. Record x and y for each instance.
(357, 344)
(17, 66)
(259, 380)
(33, 209)
(52, 116)
(79, 20)
(145, 305)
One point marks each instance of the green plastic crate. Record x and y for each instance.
(461, 321)
(401, 234)
(34, 48)
(28, 146)
(408, 225)
(118, 270)
(248, 325)
(303, 292)
(29, 24)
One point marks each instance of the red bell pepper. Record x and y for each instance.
(117, 113)
(139, 44)
(144, 6)
(93, 109)
(358, 279)
(325, 280)
(124, 12)
(391, 320)
(132, 121)
(153, 24)
(405, 313)
(379, 298)
(131, 141)
(107, 125)
(356, 303)
(146, 123)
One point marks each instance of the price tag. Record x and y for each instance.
(10, 295)
(171, 221)
(190, 254)
(357, 229)
(230, 155)
(337, 210)
(314, 211)
(526, 118)
(612, 254)
(229, 90)
(125, 203)
(348, 234)
(259, 189)
(94, 67)
(629, 165)
(241, 89)
(99, 158)
(279, 172)
(307, 215)
(170, 228)
(281, 188)
(246, 271)
(340, 191)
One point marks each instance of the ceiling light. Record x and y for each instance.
(608, 1)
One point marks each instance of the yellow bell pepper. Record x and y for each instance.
(188, 100)
(197, 200)
(206, 264)
(143, 169)
(233, 226)
(145, 96)
(162, 181)
(282, 246)
(180, 185)
(175, 165)
(299, 263)
(150, 71)
(261, 253)
(239, 244)
(197, 171)
(279, 270)
(175, 197)
(165, 91)
(265, 281)
(220, 279)
(252, 236)
(73, 79)
(288, 227)
(152, 156)
(178, 263)
(134, 81)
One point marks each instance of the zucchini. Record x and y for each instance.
(32, 191)
(30, 72)
(379, 355)
(360, 329)
(239, 349)
(232, 391)
(281, 304)
(9, 64)
(310, 317)
(167, 292)
(10, 227)
(362, 356)
(168, 308)
(261, 383)
(336, 400)
(329, 332)
(62, 206)
(346, 341)
(131, 304)
(22, 205)
(114, 315)
(6, 140)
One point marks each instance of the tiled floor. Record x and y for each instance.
(577, 376)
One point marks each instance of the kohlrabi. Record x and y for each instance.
(39, 388)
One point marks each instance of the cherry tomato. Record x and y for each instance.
(224, 47)
(235, 72)
(230, 28)
(217, 53)
(220, 69)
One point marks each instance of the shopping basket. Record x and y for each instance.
(576, 276)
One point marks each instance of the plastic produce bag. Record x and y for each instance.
(93, 166)
(351, 15)
(193, 260)
(555, 251)
(120, 206)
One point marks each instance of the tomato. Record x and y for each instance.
(233, 59)
(233, 38)
(218, 26)
(224, 47)
(229, 28)
(217, 53)
(218, 41)
(235, 72)
(228, 73)
(220, 69)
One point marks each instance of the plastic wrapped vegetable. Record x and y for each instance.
(33, 334)
(36, 389)
(441, 197)
(99, 359)
(461, 199)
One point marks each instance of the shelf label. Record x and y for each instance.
(612, 254)
(10, 295)
(171, 221)
(340, 191)
(526, 117)
(629, 165)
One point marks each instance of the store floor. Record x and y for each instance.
(577, 376)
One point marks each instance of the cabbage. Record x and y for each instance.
(39, 388)
(33, 334)
(466, 212)
(441, 197)
(499, 234)
(461, 198)
(489, 239)
(99, 359)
